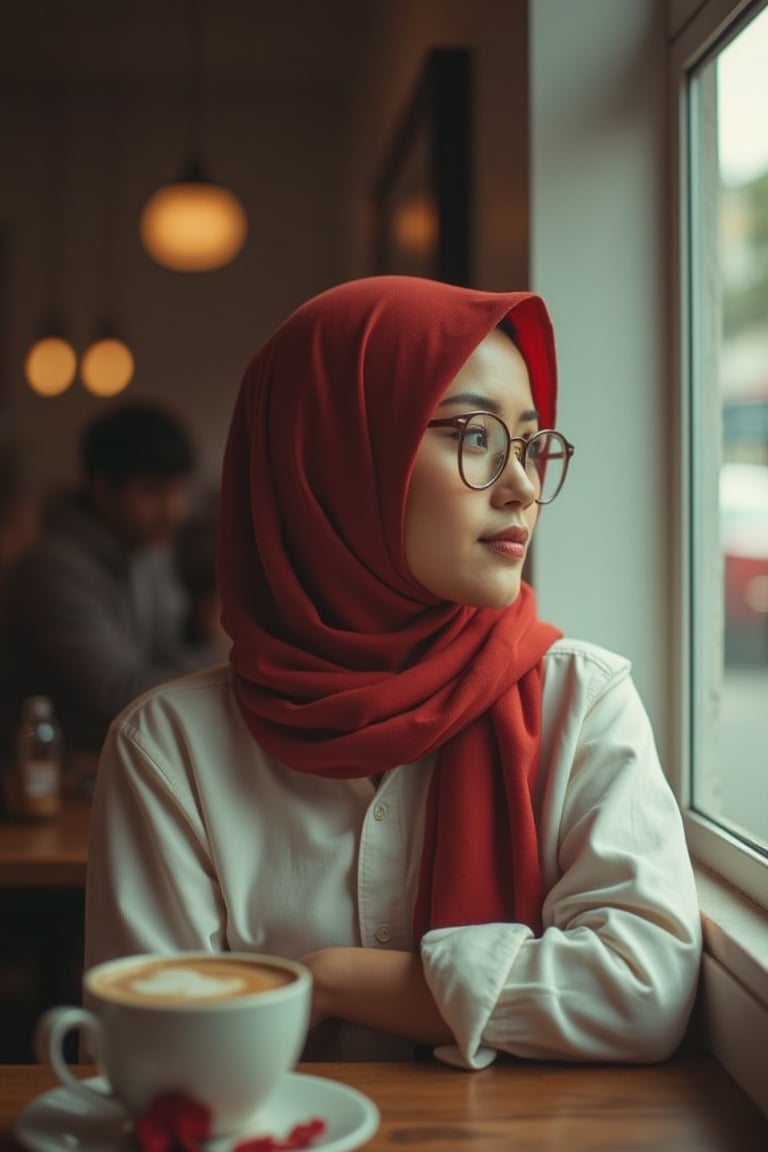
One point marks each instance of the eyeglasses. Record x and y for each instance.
(484, 445)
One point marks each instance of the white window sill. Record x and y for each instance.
(734, 996)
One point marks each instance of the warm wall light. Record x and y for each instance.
(193, 226)
(106, 367)
(416, 227)
(50, 366)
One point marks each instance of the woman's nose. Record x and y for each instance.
(514, 485)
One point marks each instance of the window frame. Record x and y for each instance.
(725, 855)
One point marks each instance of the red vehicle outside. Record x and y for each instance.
(744, 536)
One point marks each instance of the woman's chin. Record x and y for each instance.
(497, 598)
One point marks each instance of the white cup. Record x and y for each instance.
(221, 1028)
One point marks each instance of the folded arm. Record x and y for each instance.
(383, 990)
(614, 973)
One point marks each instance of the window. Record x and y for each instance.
(724, 328)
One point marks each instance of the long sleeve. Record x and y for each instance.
(614, 973)
(151, 880)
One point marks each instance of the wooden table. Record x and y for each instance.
(46, 853)
(42, 885)
(689, 1105)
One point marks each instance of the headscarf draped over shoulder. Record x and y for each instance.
(343, 665)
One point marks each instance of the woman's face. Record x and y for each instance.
(464, 545)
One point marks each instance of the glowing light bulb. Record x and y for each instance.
(416, 226)
(107, 367)
(193, 226)
(50, 366)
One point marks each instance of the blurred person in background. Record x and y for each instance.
(95, 610)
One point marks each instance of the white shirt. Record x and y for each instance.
(200, 840)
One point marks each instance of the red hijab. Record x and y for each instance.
(344, 666)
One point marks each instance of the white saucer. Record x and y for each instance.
(58, 1121)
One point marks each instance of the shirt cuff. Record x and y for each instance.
(466, 969)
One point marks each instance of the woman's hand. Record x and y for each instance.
(375, 988)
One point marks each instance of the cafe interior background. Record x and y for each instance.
(294, 108)
(297, 103)
(303, 103)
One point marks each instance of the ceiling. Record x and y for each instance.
(275, 44)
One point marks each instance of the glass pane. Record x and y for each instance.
(729, 409)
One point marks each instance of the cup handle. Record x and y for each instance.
(50, 1033)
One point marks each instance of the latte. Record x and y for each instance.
(220, 1027)
(168, 980)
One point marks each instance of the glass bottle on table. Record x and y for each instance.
(37, 774)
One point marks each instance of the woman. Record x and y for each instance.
(453, 815)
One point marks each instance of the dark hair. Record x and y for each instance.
(136, 440)
(507, 327)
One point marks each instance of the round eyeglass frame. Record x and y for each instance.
(462, 423)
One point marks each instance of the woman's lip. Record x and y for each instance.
(504, 546)
(510, 543)
(515, 535)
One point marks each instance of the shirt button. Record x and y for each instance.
(380, 812)
(383, 934)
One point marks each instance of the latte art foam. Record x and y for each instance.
(203, 980)
(185, 984)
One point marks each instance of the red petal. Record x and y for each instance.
(302, 1135)
(173, 1121)
(194, 1120)
(152, 1137)
(257, 1144)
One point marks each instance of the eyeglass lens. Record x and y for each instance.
(484, 454)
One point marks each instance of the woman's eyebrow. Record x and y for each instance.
(474, 398)
(485, 404)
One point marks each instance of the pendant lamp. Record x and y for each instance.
(51, 363)
(193, 224)
(107, 365)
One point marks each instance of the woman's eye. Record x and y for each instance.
(476, 437)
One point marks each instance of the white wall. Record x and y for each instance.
(597, 74)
